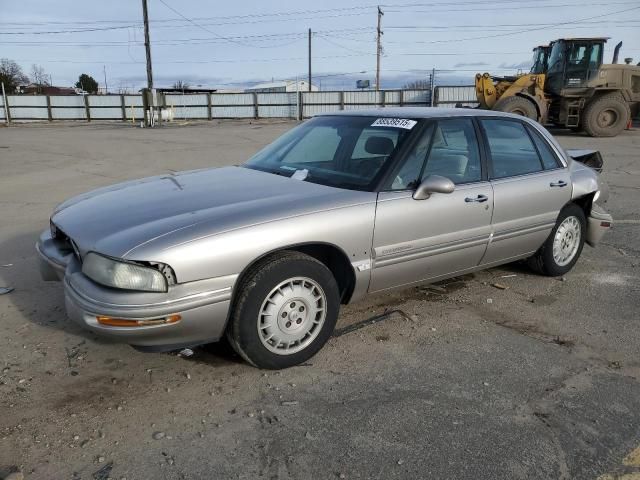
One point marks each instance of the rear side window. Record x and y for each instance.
(512, 152)
(549, 159)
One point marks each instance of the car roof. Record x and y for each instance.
(420, 112)
(438, 112)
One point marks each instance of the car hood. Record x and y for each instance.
(115, 220)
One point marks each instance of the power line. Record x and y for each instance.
(278, 16)
(369, 7)
(336, 44)
(483, 37)
(171, 62)
(198, 25)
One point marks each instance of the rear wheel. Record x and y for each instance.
(518, 105)
(606, 116)
(563, 247)
(286, 311)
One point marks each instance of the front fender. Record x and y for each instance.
(198, 256)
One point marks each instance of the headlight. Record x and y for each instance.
(119, 274)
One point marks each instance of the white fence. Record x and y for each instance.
(221, 105)
(450, 96)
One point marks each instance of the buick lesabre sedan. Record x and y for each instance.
(342, 206)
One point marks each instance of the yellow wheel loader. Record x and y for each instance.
(574, 90)
(522, 94)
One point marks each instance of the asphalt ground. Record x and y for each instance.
(460, 380)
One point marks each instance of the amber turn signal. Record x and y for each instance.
(122, 322)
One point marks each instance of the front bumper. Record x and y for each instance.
(203, 305)
(598, 223)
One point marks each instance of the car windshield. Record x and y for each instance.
(350, 152)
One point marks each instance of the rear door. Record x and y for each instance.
(419, 240)
(530, 186)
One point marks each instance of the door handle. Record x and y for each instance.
(559, 183)
(478, 199)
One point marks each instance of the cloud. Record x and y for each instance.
(470, 64)
(515, 66)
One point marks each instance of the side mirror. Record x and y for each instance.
(433, 184)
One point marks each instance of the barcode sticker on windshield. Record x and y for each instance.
(394, 122)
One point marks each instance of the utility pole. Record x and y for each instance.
(106, 88)
(309, 59)
(147, 44)
(147, 47)
(432, 87)
(379, 47)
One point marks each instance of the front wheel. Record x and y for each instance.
(518, 105)
(561, 250)
(286, 310)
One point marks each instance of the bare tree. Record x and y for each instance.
(39, 77)
(417, 85)
(181, 85)
(11, 74)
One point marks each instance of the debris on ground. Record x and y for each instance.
(186, 352)
(509, 276)
(158, 435)
(500, 286)
(7, 265)
(5, 290)
(489, 300)
(289, 403)
(104, 473)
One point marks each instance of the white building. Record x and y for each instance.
(282, 86)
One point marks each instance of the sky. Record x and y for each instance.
(224, 44)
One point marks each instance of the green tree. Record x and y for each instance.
(11, 74)
(87, 83)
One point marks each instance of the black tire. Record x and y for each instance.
(543, 261)
(518, 105)
(606, 115)
(258, 283)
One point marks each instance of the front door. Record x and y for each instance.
(420, 240)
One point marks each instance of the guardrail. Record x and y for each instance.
(220, 105)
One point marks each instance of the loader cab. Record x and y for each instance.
(540, 59)
(573, 63)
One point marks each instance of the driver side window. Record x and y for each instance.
(448, 148)
(454, 153)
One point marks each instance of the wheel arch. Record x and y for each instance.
(540, 107)
(332, 256)
(602, 91)
(585, 202)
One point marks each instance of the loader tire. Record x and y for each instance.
(606, 116)
(518, 105)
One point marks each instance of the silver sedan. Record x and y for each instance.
(342, 206)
